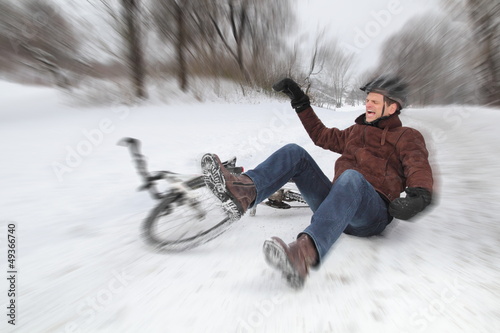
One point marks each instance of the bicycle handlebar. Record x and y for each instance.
(148, 179)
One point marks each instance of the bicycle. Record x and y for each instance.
(188, 214)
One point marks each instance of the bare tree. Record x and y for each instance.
(484, 16)
(340, 75)
(10, 31)
(252, 31)
(126, 21)
(37, 35)
(183, 24)
(317, 61)
(271, 21)
(431, 53)
(330, 73)
(233, 35)
(210, 36)
(131, 16)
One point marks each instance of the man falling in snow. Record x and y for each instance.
(379, 160)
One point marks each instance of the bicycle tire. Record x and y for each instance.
(174, 225)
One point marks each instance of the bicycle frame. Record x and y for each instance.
(174, 179)
(180, 187)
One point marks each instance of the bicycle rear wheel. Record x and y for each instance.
(180, 223)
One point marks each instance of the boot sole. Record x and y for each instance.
(276, 257)
(214, 180)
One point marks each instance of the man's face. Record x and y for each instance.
(375, 105)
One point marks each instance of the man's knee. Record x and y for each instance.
(350, 176)
(294, 149)
(351, 180)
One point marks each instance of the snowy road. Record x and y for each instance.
(82, 267)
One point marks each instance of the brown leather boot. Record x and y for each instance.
(237, 192)
(292, 260)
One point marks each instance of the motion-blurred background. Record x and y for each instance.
(118, 50)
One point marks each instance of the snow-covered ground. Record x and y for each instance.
(70, 191)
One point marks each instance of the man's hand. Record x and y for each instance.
(416, 200)
(289, 87)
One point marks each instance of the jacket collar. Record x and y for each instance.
(389, 122)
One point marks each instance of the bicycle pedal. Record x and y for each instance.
(277, 204)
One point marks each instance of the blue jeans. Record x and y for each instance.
(349, 205)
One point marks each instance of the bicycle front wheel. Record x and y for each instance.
(179, 222)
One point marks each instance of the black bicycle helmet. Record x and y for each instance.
(391, 87)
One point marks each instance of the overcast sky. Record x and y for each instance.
(361, 26)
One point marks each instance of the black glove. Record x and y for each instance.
(300, 101)
(416, 200)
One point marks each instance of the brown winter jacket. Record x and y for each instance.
(389, 156)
